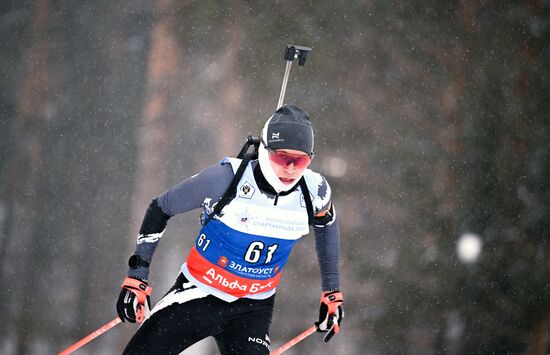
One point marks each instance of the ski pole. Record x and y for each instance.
(291, 53)
(295, 340)
(90, 337)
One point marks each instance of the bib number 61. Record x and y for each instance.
(254, 252)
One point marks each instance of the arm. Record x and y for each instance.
(327, 244)
(327, 235)
(133, 300)
(186, 196)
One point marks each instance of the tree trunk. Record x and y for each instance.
(25, 179)
(153, 137)
(232, 95)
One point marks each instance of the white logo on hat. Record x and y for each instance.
(275, 135)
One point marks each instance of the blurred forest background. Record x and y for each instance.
(432, 122)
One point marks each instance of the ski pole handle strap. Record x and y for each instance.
(332, 300)
(331, 313)
(140, 288)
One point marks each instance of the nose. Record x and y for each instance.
(290, 168)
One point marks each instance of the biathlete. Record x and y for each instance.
(254, 211)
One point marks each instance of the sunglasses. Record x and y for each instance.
(285, 159)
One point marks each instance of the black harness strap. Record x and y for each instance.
(229, 194)
(307, 199)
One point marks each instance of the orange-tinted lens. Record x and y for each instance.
(285, 159)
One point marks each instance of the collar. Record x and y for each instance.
(264, 185)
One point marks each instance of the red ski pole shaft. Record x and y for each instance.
(295, 340)
(90, 337)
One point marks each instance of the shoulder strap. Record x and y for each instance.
(307, 199)
(229, 194)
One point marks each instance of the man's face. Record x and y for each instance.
(288, 164)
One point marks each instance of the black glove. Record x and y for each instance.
(134, 303)
(331, 313)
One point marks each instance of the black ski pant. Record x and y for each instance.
(185, 315)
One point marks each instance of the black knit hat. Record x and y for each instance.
(289, 128)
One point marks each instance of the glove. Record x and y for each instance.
(134, 303)
(331, 313)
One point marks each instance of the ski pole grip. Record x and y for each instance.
(141, 290)
(141, 287)
(139, 313)
(332, 300)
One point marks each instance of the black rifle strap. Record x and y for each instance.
(307, 199)
(229, 194)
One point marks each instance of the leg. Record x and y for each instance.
(246, 331)
(180, 319)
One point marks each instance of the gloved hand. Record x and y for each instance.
(331, 313)
(133, 302)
